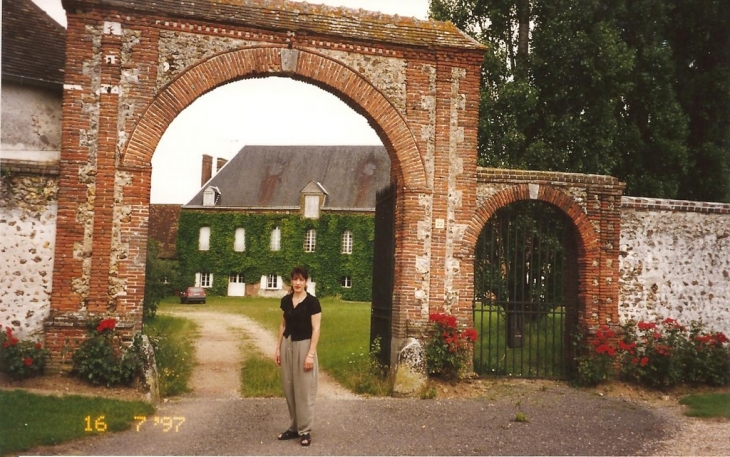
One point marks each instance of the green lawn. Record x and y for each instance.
(344, 343)
(28, 420)
(708, 405)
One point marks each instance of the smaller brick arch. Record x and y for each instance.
(262, 61)
(588, 247)
(547, 194)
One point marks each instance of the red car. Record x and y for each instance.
(193, 295)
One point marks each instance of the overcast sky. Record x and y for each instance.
(268, 111)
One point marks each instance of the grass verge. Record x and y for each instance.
(259, 376)
(173, 340)
(707, 405)
(29, 420)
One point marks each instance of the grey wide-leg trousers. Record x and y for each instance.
(300, 387)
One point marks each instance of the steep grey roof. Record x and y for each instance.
(274, 176)
(33, 44)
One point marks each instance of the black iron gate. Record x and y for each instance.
(525, 292)
(383, 272)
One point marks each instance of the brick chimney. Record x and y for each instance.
(206, 171)
(219, 164)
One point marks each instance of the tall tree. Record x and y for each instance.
(699, 36)
(587, 86)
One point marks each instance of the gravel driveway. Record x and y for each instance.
(560, 420)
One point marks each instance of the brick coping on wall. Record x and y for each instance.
(492, 175)
(659, 204)
(29, 167)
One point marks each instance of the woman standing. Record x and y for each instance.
(296, 354)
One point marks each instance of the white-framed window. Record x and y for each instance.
(276, 239)
(239, 244)
(311, 206)
(206, 280)
(347, 242)
(209, 197)
(310, 240)
(236, 278)
(272, 282)
(204, 239)
(346, 282)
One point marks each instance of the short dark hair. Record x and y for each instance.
(299, 271)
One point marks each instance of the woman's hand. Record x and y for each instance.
(277, 356)
(308, 362)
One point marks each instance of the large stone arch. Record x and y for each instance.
(262, 61)
(132, 67)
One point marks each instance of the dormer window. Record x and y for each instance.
(211, 196)
(312, 199)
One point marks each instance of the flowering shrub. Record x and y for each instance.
(664, 354)
(596, 362)
(448, 348)
(21, 359)
(103, 359)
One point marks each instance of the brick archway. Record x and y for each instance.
(307, 66)
(590, 202)
(132, 67)
(588, 251)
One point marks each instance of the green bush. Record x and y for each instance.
(21, 359)
(103, 358)
(595, 362)
(664, 354)
(448, 349)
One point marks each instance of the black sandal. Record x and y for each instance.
(288, 435)
(306, 439)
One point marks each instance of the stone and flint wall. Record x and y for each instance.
(133, 66)
(28, 196)
(674, 261)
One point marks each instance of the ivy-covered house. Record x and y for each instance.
(271, 208)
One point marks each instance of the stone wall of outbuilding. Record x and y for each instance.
(28, 210)
(674, 261)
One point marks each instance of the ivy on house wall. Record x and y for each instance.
(326, 265)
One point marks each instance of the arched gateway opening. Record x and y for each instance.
(132, 67)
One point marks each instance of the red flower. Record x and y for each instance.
(657, 336)
(605, 348)
(627, 347)
(13, 341)
(646, 325)
(669, 321)
(470, 334)
(38, 345)
(106, 324)
(644, 361)
(634, 360)
(721, 338)
(27, 361)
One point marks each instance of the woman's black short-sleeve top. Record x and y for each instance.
(299, 320)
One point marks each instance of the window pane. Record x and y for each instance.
(204, 239)
(311, 206)
(239, 245)
(347, 242)
(275, 239)
(206, 279)
(310, 240)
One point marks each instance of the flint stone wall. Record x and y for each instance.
(28, 209)
(674, 262)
